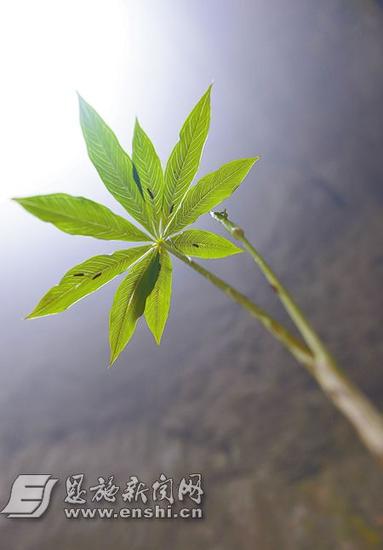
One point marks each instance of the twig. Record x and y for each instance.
(356, 407)
(298, 349)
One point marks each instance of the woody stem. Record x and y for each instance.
(355, 406)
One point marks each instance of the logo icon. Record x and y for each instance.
(30, 496)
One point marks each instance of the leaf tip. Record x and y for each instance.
(251, 161)
(115, 352)
(83, 105)
(29, 316)
(113, 358)
(37, 313)
(157, 339)
(79, 98)
(208, 91)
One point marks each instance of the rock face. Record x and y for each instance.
(282, 469)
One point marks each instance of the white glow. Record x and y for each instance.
(50, 49)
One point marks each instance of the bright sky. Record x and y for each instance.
(49, 49)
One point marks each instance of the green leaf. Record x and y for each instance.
(80, 216)
(85, 278)
(158, 302)
(149, 170)
(204, 244)
(185, 158)
(112, 163)
(210, 191)
(129, 302)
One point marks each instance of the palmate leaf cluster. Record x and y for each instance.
(163, 203)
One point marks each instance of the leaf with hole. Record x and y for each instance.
(113, 164)
(164, 204)
(85, 278)
(210, 191)
(204, 244)
(149, 172)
